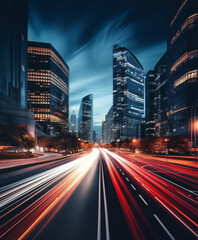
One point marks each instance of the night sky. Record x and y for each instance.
(83, 32)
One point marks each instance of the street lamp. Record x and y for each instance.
(166, 140)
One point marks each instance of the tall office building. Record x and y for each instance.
(175, 88)
(73, 122)
(150, 117)
(182, 49)
(48, 88)
(85, 119)
(128, 94)
(95, 138)
(13, 64)
(104, 133)
(107, 129)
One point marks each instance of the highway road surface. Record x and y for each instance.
(100, 194)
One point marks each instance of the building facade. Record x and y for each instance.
(150, 87)
(48, 88)
(182, 49)
(95, 138)
(175, 85)
(85, 119)
(161, 102)
(107, 128)
(73, 122)
(13, 65)
(128, 94)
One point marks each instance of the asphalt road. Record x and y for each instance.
(100, 195)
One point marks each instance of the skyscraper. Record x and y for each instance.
(95, 138)
(128, 94)
(182, 49)
(175, 88)
(73, 122)
(107, 130)
(48, 88)
(161, 101)
(13, 64)
(150, 87)
(85, 119)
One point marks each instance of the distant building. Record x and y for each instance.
(85, 119)
(95, 139)
(13, 65)
(161, 102)
(107, 128)
(104, 133)
(73, 122)
(150, 87)
(48, 88)
(128, 94)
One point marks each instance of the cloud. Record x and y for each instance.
(84, 37)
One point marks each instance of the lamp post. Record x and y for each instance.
(166, 140)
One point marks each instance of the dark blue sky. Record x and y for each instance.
(83, 32)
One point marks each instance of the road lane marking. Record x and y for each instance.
(177, 217)
(105, 208)
(143, 200)
(136, 179)
(146, 187)
(99, 205)
(133, 187)
(123, 173)
(175, 184)
(127, 179)
(165, 229)
(187, 197)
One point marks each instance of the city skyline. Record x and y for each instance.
(87, 47)
(133, 178)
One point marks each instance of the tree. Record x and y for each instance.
(179, 144)
(16, 136)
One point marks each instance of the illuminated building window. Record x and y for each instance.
(185, 77)
(48, 87)
(178, 110)
(178, 12)
(184, 58)
(190, 22)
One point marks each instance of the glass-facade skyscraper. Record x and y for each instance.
(48, 88)
(13, 55)
(85, 119)
(128, 94)
(175, 87)
(183, 54)
(13, 65)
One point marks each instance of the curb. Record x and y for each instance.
(9, 169)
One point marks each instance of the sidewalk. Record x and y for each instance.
(175, 160)
(179, 160)
(12, 163)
